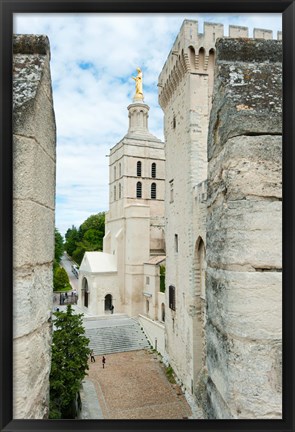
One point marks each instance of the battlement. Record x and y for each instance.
(194, 52)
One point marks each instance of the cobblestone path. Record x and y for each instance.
(133, 385)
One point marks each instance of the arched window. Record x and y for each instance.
(120, 191)
(153, 191)
(115, 173)
(115, 193)
(154, 170)
(138, 190)
(138, 169)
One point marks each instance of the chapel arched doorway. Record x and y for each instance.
(108, 302)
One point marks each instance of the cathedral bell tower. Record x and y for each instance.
(135, 220)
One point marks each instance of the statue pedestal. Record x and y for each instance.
(138, 99)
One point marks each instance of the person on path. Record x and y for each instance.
(92, 356)
(103, 361)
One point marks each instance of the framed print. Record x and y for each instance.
(147, 215)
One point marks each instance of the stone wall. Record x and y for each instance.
(34, 139)
(244, 232)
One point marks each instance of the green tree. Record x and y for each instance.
(88, 238)
(60, 279)
(59, 246)
(69, 363)
(72, 238)
(96, 222)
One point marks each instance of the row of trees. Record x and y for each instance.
(89, 237)
(60, 277)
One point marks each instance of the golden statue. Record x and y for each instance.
(138, 85)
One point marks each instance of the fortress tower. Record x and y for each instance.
(185, 95)
(186, 86)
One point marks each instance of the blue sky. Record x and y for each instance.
(93, 57)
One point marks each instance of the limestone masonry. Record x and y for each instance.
(34, 139)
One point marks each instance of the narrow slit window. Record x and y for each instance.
(176, 242)
(172, 297)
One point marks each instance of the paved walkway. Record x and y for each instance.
(133, 385)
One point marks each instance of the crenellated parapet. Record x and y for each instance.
(194, 52)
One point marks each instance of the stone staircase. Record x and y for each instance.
(111, 335)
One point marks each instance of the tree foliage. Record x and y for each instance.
(60, 278)
(72, 238)
(69, 362)
(59, 246)
(88, 238)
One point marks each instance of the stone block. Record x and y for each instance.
(245, 304)
(31, 365)
(247, 374)
(247, 89)
(33, 234)
(245, 235)
(247, 167)
(33, 171)
(34, 117)
(32, 293)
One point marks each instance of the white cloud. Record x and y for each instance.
(93, 57)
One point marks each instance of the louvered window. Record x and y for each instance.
(138, 190)
(153, 191)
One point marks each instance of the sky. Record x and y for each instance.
(93, 59)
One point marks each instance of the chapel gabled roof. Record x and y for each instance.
(99, 262)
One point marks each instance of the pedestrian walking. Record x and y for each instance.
(103, 361)
(92, 358)
(112, 309)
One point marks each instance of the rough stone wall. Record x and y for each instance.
(244, 251)
(34, 139)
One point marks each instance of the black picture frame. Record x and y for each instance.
(7, 9)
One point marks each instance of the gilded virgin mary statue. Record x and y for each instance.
(138, 85)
